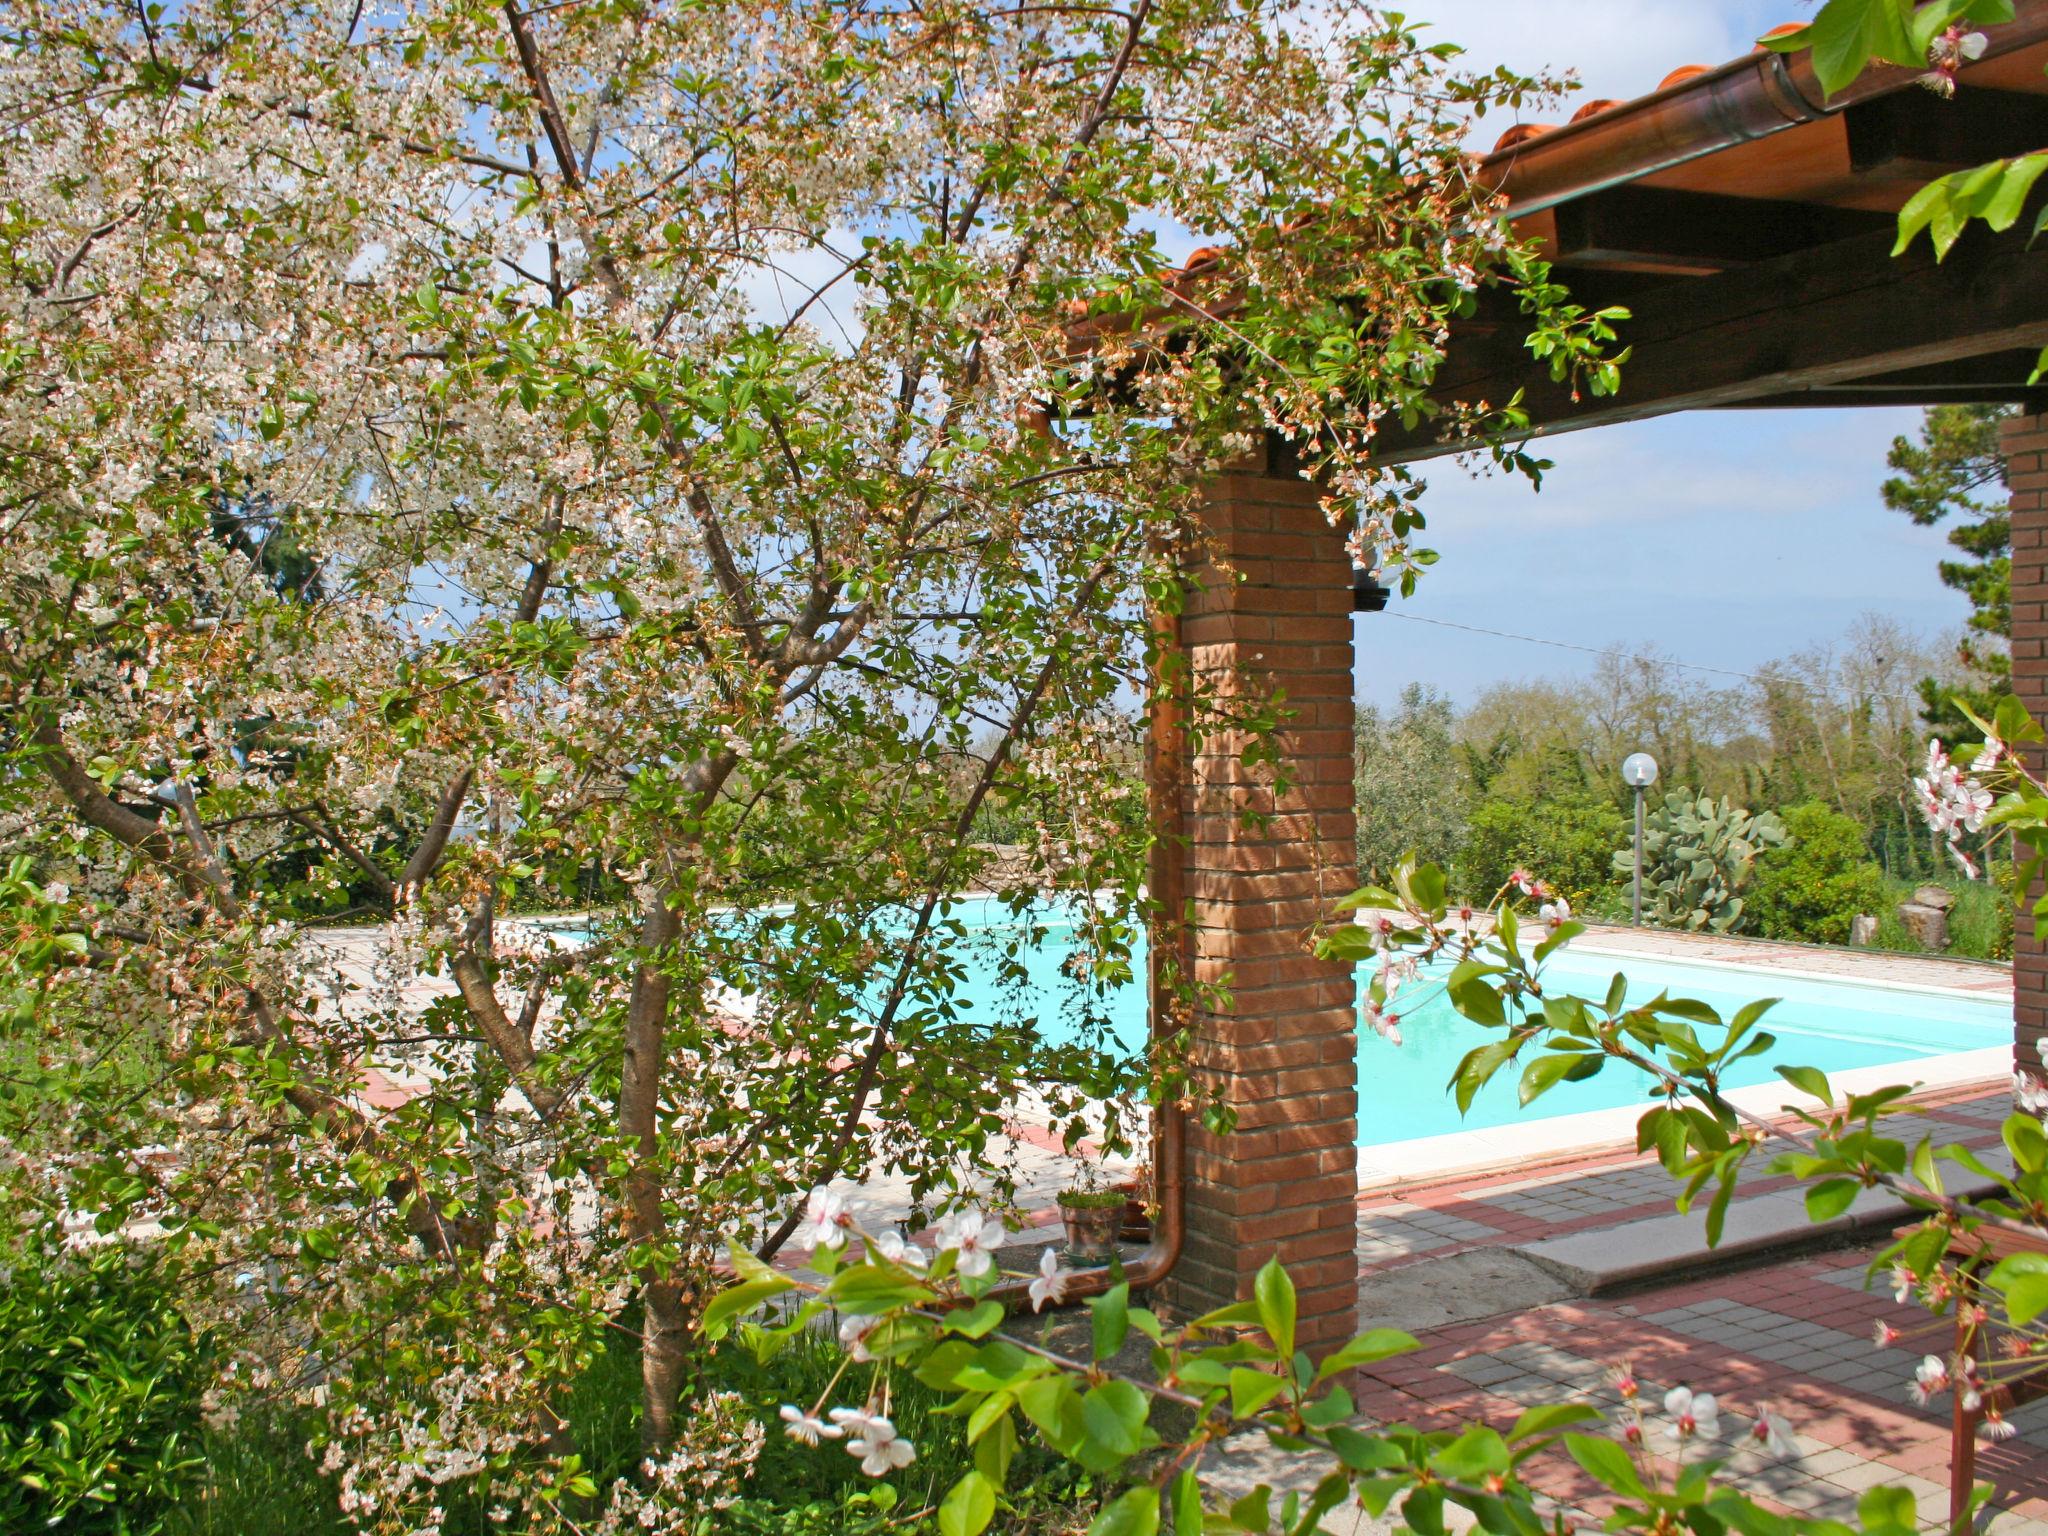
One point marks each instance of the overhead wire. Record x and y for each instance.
(1758, 679)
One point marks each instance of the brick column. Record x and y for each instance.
(2025, 441)
(1276, 616)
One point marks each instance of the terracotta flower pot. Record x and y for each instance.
(1092, 1231)
(1137, 1222)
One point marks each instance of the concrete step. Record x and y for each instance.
(1634, 1253)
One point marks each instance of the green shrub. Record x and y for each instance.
(99, 1390)
(1569, 842)
(259, 1481)
(1813, 889)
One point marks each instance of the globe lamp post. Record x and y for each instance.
(1639, 772)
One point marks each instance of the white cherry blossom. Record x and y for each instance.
(1692, 1414)
(975, 1236)
(1051, 1285)
(879, 1449)
(899, 1250)
(827, 1220)
(805, 1428)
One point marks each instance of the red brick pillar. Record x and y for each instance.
(2025, 440)
(1275, 617)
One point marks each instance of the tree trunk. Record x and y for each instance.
(665, 1327)
(665, 1322)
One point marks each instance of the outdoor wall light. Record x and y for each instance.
(1638, 772)
(1367, 595)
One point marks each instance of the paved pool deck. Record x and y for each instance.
(1793, 1333)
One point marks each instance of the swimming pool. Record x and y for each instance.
(1823, 1022)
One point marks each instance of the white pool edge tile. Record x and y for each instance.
(1521, 1142)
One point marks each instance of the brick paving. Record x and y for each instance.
(1794, 1334)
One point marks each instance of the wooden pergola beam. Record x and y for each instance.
(1654, 229)
(1996, 378)
(1917, 136)
(1815, 318)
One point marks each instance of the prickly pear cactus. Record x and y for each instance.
(1697, 855)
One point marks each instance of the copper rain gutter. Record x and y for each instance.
(1748, 98)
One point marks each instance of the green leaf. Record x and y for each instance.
(2001, 207)
(1478, 1067)
(2026, 1298)
(1543, 1419)
(871, 1289)
(1809, 1080)
(1273, 1291)
(1374, 1344)
(1112, 1319)
(1113, 1414)
(976, 1320)
(1887, 1508)
(1252, 1390)
(1606, 1462)
(737, 1299)
(969, 1508)
(2027, 1142)
(1848, 34)
(1545, 1072)
(1135, 1513)
(1476, 1454)
(992, 1410)
(1238, 1314)
(1050, 1402)
(1253, 1512)
(1829, 1198)
(994, 1450)
(1186, 1495)
(1717, 1211)
(1365, 1453)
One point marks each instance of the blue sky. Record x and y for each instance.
(1719, 538)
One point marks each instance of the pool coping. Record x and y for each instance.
(1769, 965)
(1525, 1144)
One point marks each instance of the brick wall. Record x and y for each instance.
(2025, 440)
(1283, 1055)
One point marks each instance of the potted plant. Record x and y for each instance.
(1138, 1212)
(1093, 1216)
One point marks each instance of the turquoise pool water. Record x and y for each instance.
(1833, 1025)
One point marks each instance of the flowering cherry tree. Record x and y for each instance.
(691, 462)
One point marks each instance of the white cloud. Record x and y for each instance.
(1619, 48)
(792, 280)
(1676, 469)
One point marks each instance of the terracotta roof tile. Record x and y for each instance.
(1521, 133)
(1680, 75)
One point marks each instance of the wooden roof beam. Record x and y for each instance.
(1917, 136)
(1996, 378)
(1653, 229)
(1820, 317)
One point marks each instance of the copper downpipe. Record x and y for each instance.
(1748, 98)
(1166, 957)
